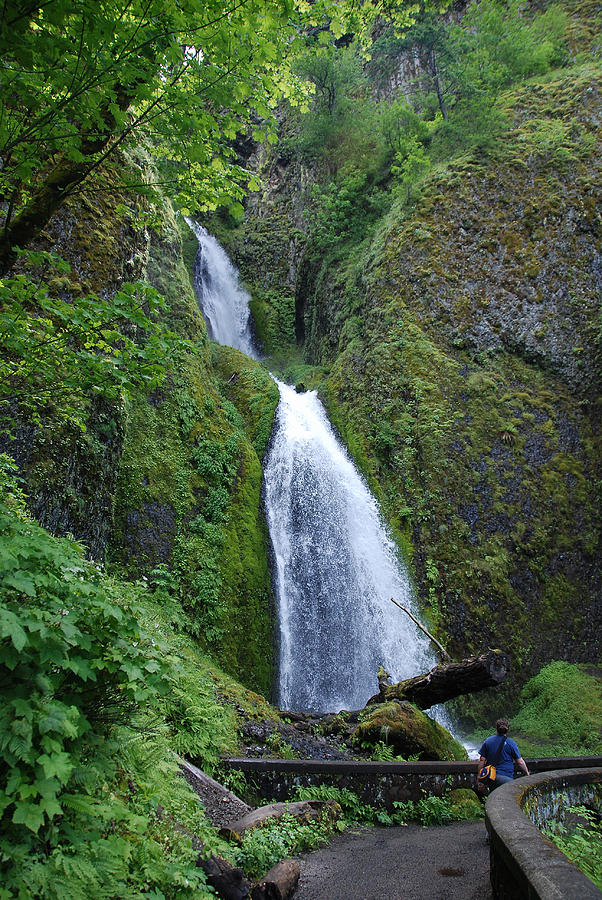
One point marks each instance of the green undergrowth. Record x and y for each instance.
(103, 685)
(263, 847)
(561, 712)
(452, 806)
(99, 689)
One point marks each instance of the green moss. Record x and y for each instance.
(409, 731)
(189, 489)
(561, 712)
(254, 394)
(465, 803)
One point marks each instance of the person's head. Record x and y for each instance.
(502, 726)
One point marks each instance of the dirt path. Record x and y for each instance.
(405, 863)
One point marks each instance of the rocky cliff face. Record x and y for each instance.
(462, 345)
(70, 476)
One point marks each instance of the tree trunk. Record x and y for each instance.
(444, 682)
(279, 883)
(435, 73)
(55, 187)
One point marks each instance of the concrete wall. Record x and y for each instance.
(524, 864)
(378, 783)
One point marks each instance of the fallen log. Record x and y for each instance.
(446, 681)
(279, 883)
(228, 882)
(302, 810)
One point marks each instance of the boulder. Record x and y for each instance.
(409, 731)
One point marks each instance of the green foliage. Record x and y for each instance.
(78, 82)
(84, 759)
(381, 751)
(344, 208)
(581, 843)
(507, 44)
(429, 810)
(354, 811)
(280, 748)
(561, 711)
(340, 127)
(57, 353)
(261, 848)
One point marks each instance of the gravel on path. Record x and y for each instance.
(221, 805)
(409, 862)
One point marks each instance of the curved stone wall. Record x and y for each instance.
(524, 864)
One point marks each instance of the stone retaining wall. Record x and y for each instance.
(524, 864)
(378, 783)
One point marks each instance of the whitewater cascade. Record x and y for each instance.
(335, 567)
(223, 302)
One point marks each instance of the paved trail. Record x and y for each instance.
(405, 863)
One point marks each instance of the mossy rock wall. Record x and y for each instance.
(69, 475)
(461, 345)
(464, 366)
(189, 491)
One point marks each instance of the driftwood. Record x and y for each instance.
(446, 657)
(279, 883)
(446, 681)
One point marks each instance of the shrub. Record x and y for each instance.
(561, 712)
(263, 847)
(85, 761)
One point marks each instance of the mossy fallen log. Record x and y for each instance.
(448, 680)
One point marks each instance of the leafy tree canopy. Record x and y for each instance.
(80, 79)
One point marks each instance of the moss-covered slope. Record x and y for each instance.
(171, 481)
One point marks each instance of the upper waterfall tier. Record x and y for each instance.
(336, 569)
(223, 301)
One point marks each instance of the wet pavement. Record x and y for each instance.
(401, 863)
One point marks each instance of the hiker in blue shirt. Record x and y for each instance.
(500, 751)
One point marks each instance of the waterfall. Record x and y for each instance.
(335, 567)
(223, 302)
